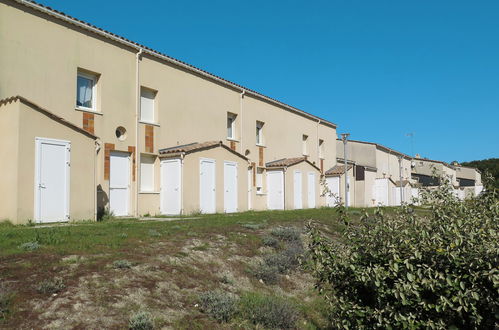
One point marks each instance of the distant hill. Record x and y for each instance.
(491, 165)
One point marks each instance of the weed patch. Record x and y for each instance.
(53, 285)
(5, 300)
(122, 264)
(29, 246)
(269, 311)
(219, 305)
(141, 321)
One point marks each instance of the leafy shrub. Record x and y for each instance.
(122, 264)
(219, 305)
(5, 300)
(141, 321)
(267, 273)
(29, 246)
(437, 269)
(268, 311)
(286, 234)
(52, 285)
(287, 259)
(270, 241)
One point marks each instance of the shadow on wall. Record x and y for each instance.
(102, 202)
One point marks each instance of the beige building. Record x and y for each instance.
(121, 107)
(374, 176)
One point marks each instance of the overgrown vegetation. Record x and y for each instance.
(440, 270)
(29, 246)
(5, 300)
(271, 312)
(141, 320)
(221, 306)
(122, 264)
(53, 285)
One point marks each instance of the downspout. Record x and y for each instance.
(137, 109)
(318, 147)
(182, 184)
(97, 148)
(241, 121)
(284, 186)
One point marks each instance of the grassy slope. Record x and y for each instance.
(173, 262)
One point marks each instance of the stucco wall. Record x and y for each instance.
(289, 188)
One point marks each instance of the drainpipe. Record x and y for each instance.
(400, 175)
(97, 148)
(241, 112)
(317, 141)
(137, 109)
(182, 184)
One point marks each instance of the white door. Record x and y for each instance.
(207, 197)
(311, 190)
(230, 187)
(250, 188)
(52, 180)
(333, 185)
(119, 183)
(171, 189)
(275, 191)
(396, 196)
(298, 194)
(381, 192)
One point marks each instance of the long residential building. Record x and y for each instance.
(91, 121)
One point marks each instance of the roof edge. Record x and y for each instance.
(47, 113)
(60, 15)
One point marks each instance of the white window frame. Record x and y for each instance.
(232, 116)
(151, 188)
(94, 78)
(154, 94)
(259, 135)
(321, 149)
(304, 138)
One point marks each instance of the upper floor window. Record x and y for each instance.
(86, 91)
(321, 149)
(304, 144)
(231, 125)
(259, 133)
(147, 98)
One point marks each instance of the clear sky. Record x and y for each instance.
(378, 69)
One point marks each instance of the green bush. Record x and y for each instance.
(52, 285)
(267, 273)
(141, 321)
(436, 269)
(269, 311)
(122, 264)
(286, 234)
(270, 241)
(218, 304)
(29, 246)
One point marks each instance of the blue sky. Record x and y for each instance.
(378, 69)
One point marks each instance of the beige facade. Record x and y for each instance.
(23, 122)
(43, 53)
(371, 162)
(423, 168)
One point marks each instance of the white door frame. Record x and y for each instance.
(226, 162)
(282, 200)
(128, 201)
(162, 192)
(298, 198)
(38, 143)
(209, 160)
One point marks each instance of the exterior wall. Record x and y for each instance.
(9, 149)
(469, 173)
(388, 166)
(190, 176)
(352, 187)
(40, 60)
(29, 125)
(427, 167)
(289, 188)
(361, 153)
(364, 190)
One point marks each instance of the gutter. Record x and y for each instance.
(137, 110)
(154, 53)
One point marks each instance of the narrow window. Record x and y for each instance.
(147, 173)
(86, 91)
(231, 125)
(147, 98)
(321, 149)
(360, 173)
(304, 144)
(259, 133)
(259, 181)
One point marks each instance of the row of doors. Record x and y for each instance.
(275, 190)
(171, 185)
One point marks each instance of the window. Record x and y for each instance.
(259, 180)
(86, 96)
(259, 133)
(360, 173)
(305, 142)
(147, 173)
(147, 97)
(231, 125)
(321, 149)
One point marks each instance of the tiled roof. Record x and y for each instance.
(286, 162)
(337, 170)
(109, 35)
(196, 146)
(47, 113)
